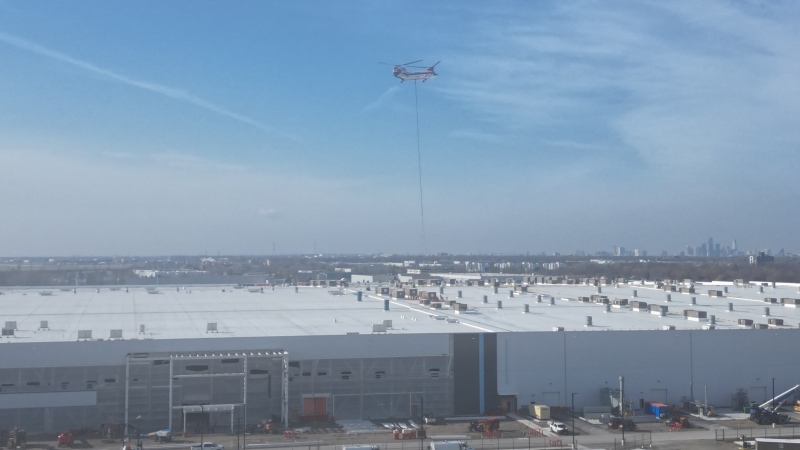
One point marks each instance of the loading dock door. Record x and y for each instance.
(508, 403)
(315, 406)
(659, 395)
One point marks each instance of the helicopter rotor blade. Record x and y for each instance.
(386, 63)
(437, 62)
(412, 62)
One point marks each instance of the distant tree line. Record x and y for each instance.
(786, 270)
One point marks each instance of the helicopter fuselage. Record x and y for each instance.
(405, 75)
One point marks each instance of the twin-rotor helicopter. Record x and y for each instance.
(400, 71)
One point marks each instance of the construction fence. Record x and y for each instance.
(735, 434)
(632, 441)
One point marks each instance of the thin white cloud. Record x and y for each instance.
(166, 91)
(476, 135)
(683, 85)
(382, 100)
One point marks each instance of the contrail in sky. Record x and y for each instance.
(152, 87)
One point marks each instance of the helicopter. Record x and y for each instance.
(404, 75)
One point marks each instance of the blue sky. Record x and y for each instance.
(190, 127)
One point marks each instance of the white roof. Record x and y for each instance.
(186, 312)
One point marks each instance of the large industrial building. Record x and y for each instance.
(221, 356)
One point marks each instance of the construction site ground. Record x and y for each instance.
(515, 432)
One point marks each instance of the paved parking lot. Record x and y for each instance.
(522, 433)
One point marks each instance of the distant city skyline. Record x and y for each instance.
(270, 128)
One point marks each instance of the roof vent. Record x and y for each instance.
(116, 334)
(45, 292)
(84, 334)
(211, 327)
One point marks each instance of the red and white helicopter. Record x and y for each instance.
(404, 75)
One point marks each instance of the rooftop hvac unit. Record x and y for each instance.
(8, 331)
(141, 328)
(211, 327)
(45, 293)
(43, 325)
(378, 328)
(116, 334)
(387, 323)
(84, 334)
(11, 324)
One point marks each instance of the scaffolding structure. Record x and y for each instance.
(201, 384)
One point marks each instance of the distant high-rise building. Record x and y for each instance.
(689, 250)
(734, 247)
(762, 259)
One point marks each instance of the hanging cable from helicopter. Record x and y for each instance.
(400, 71)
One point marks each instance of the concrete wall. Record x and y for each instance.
(662, 366)
(110, 353)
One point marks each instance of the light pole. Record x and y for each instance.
(772, 402)
(138, 433)
(422, 422)
(202, 428)
(573, 419)
(622, 407)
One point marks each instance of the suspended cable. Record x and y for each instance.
(419, 164)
